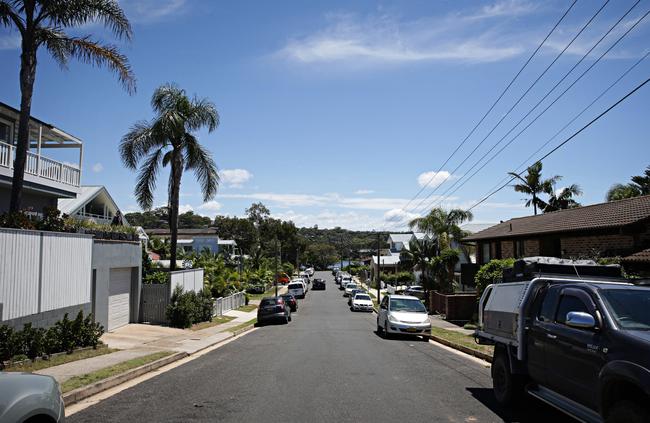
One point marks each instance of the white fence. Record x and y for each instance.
(225, 304)
(43, 271)
(190, 279)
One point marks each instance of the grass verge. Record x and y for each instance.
(215, 321)
(58, 360)
(249, 307)
(461, 339)
(79, 381)
(243, 325)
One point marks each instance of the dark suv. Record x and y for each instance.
(273, 309)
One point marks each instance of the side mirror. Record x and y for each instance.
(580, 320)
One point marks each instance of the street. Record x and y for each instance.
(327, 365)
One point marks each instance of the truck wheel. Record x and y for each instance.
(627, 412)
(508, 388)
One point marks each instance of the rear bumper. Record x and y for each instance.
(274, 316)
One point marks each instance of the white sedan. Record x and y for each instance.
(348, 289)
(361, 302)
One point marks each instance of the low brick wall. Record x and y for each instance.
(455, 307)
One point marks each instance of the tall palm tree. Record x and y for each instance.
(564, 199)
(443, 224)
(532, 184)
(42, 23)
(420, 254)
(640, 185)
(168, 140)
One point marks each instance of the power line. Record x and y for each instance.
(447, 193)
(571, 121)
(560, 145)
(515, 104)
(494, 103)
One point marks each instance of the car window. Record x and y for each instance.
(269, 301)
(547, 310)
(569, 303)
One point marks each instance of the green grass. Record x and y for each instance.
(269, 293)
(215, 321)
(461, 339)
(247, 308)
(79, 381)
(58, 360)
(243, 325)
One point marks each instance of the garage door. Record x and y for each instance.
(119, 297)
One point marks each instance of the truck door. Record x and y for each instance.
(574, 355)
(543, 313)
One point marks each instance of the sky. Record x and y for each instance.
(339, 113)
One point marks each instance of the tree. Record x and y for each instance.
(420, 255)
(532, 184)
(640, 185)
(258, 213)
(168, 140)
(564, 199)
(43, 24)
(320, 255)
(189, 220)
(442, 224)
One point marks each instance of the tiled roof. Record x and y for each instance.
(597, 216)
(640, 257)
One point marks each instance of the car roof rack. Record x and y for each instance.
(535, 267)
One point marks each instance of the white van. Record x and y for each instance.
(297, 289)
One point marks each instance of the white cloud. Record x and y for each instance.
(364, 191)
(145, 11)
(399, 216)
(329, 219)
(184, 208)
(97, 167)
(235, 178)
(460, 37)
(433, 179)
(9, 41)
(209, 209)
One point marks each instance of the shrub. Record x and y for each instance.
(205, 306)
(65, 334)
(52, 220)
(181, 309)
(32, 341)
(156, 278)
(18, 220)
(491, 272)
(8, 344)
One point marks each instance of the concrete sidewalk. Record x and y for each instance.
(137, 340)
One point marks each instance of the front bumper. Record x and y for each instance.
(361, 307)
(409, 328)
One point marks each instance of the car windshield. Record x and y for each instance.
(406, 304)
(629, 307)
(351, 286)
(267, 302)
(362, 297)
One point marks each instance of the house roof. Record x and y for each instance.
(391, 260)
(226, 242)
(612, 214)
(640, 257)
(403, 238)
(87, 193)
(202, 231)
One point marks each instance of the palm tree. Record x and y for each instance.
(564, 199)
(420, 254)
(168, 140)
(533, 185)
(640, 185)
(443, 224)
(42, 24)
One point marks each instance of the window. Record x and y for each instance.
(5, 132)
(569, 303)
(519, 249)
(486, 252)
(547, 310)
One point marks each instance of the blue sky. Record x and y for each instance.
(335, 113)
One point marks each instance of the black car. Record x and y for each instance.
(318, 285)
(273, 309)
(290, 300)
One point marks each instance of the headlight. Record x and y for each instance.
(393, 319)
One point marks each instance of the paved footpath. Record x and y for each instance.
(327, 365)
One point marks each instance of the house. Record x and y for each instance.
(53, 167)
(397, 242)
(617, 228)
(638, 263)
(197, 240)
(91, 203)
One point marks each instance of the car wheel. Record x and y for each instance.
(386, 333)
(379, 329)
(627, 412)
(508, 388)
(289, 317)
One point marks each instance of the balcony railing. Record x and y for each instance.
(41, 166)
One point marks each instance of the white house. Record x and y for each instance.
(92, 203)
(197, 240)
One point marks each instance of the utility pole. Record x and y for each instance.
(378, 267)
(278, 256)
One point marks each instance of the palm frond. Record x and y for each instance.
(146, 183)
(202, 113)
(166, 97)
(70, 13)
(9, 14)
(141, 138)
(199, 160)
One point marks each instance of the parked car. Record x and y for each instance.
(318, 285)
(402, 314)
(361, 302)
(273, 309)
(415, 291)
(353, 293)
(348, 288)
(297, 289)
(284, 278)
(581, 344)
(30, 397)
(290, 300)
(335, 270)
(256, 289)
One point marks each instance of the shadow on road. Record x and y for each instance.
(528, 411)
(398, 337)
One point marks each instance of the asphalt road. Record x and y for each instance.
(328, 365)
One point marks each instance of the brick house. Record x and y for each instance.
(617, 228)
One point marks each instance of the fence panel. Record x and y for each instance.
(225, 304)
(190, 279)
(155, 298)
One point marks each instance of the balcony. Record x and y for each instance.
(41, 166)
